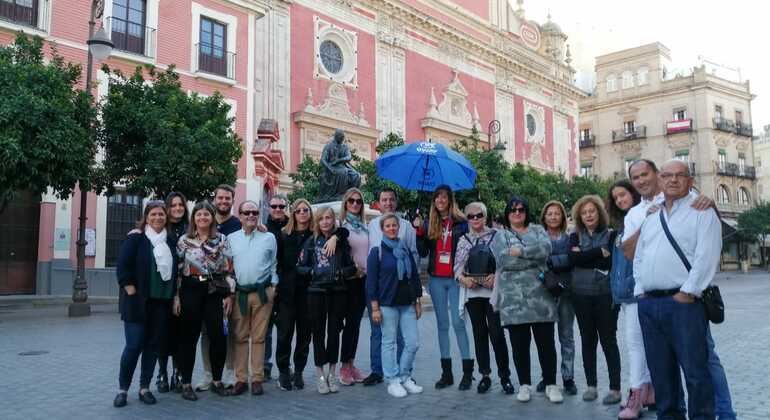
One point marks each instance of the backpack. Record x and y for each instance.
(481, 260)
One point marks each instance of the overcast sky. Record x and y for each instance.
(734, 33)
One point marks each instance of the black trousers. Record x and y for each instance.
(354, 312)
(143, 338)
(169, 346)
(327, 309)
(486, 329)
(546, 350)
(199, 307)
(598, 322)
(293, 316)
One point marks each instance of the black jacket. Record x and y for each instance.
(427, 247)
(289, 249)
(134, 265)
(328, 277)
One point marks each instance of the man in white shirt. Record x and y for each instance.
(388, 202)
(255, 263)
(673, 322)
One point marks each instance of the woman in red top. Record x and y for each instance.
(437, 239)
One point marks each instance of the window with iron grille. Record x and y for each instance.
(128, 25)
(23, 12)
(212, 51)
(123, 211)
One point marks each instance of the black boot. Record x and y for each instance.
(465, 382)
(446, 378)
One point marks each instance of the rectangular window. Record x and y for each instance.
(718, 112)
(680, 114)
(23, 12)
(722, 156)
(585, 134)
(627, 162)
(629, 127)
(587, 170)
(123, 211)
(212, 50)
(683, 155)
(128, 25)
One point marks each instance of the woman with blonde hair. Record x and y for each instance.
(327, 293)
(437, 239)
(591, 259)
(352, 219)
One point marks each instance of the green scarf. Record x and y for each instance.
(243, 295)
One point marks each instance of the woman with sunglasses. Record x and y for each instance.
(352, 219)
(146, 273)
(292, 305)
(437, 239)
(525, 305)
(204, 295)
(474, 269)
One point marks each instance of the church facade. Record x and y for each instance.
(296, 70)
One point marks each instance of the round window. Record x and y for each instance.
(331, 56)
(531, 125)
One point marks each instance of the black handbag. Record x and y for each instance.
(552, 283)
(711, 296)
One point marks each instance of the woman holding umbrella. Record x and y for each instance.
(437, 239)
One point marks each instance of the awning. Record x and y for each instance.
(729, 230)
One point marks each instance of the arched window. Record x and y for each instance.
(743, 196)
(723, 195)
(641, 76)
(628, 79)
(612, 82)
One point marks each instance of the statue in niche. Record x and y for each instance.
(338, 175)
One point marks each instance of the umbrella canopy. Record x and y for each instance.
(424, 166)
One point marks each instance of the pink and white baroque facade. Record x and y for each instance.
(427, 69)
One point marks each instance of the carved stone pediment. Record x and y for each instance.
(336, 106)
(453, 108)
(742, 146)
(679, 141)
(629, 147)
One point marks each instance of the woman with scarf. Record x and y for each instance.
(352, 219)
(393, 289)
(146, 273)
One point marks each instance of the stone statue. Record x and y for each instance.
(337, 175)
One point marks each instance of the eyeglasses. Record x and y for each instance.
(250, 212)
(303, 210)
(355, 201)
(278, 206)
(476, 216)
(519, 210)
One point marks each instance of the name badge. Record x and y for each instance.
(444, 257)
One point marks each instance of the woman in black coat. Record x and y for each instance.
(146, 273)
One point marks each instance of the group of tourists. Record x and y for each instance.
(225, 281)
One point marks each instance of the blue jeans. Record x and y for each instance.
(144, 338)
(445, 294)
(675, 335)
(393, 319)
(567, 337)
(375, 346)
(723, 404)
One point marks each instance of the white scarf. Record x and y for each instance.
(161, 251)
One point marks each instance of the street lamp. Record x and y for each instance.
(99, 47)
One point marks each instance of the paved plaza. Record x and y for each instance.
(75, 376)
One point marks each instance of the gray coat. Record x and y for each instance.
(519, 294)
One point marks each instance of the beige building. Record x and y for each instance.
(762, 163)
(641, 109)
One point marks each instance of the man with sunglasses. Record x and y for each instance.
(388, 202)
(255, 262)
(276, 220)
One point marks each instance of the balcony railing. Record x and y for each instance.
(722, 124)
(623, 135)
(215, 60)
(587, 141)
(742, 129)
(724, 168)
(748, 172)
(131, 37)
(678, 126)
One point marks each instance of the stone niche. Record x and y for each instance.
(451, 119)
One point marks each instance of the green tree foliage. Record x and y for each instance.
(44, 122)
(754, 224)
(305, 178)
(158, 139)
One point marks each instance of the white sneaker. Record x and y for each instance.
(205, 383)
(323, 386)
(411, 387)
(525, 394)
(553, 393)
(332, 381)
(396, 389)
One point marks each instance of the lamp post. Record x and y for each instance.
(99, 48)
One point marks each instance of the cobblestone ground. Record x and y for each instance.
(76, 377)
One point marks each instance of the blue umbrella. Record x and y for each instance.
(424, 166)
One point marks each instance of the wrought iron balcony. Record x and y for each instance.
(743, 129)
(722, 124)
(623, 135)
(678, 126)
(748, 172)
(131, 37)
(215, 60)
(724, 168)
(587, 141)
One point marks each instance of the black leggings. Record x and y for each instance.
(293, 313)
(326, 312)
(546, 350)
(356, 303)
(598, 322)
(198, 307)
(486, 329)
